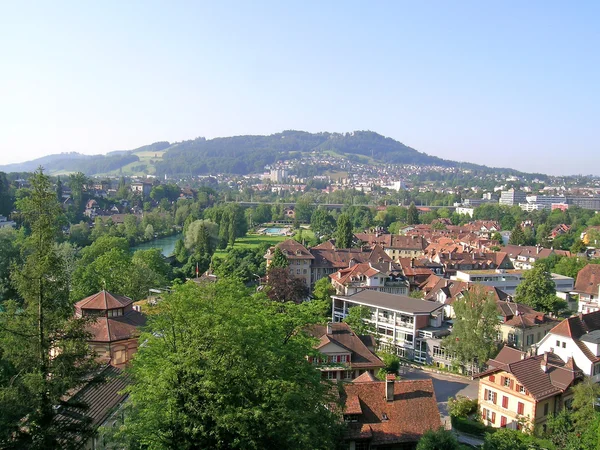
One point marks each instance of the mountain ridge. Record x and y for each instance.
(238, 155)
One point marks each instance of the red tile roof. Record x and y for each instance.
(412, 412)
(112, 329)
(103, 301)
(588, 280)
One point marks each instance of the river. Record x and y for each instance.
(165, 244)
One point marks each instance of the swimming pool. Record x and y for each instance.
(275, 231)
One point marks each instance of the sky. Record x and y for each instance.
(509, 84)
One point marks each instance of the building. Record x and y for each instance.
(388, 414)
(525, 256)
(519, 391)
(512, 197)
(298, 256)
(278, 175)
(577, 337)
(396, 246)
(103, 398)
(401, 322)
(521, 326)
(343, 354)
(587, 287)
(381, 277)
(114, 333)
(508, 280)
(141, 188)
(592, 203)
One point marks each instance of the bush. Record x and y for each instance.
(470, 426)
(461, 406)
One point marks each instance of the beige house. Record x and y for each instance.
(521, 392)
(114, 333)
(299, 257)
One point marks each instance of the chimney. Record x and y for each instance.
(390, 379)
(329, 328)
(544, 364)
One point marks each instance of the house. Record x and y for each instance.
(388, 414)
(381, 277)
(521, 392)
(114, 333)
(521, 326)
(396, 246)
(454, 262)
(400, 322)
(524, 257)
(415, 271)
(91, 209)
(559, 229)
(299, 257)
(577, 337)
(141, 188)
(103, 398)
(587, 287)
(343, 354)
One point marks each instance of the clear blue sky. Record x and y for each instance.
(510, 83)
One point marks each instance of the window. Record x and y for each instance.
(361, 445)
(558, 344)
(521, 389)
(343, 358)
(520, 408)
(503, 422)
(564, 345)
(490, 396)
(505, 401)
(596, 369)
(506, 382)
(546, 405)
(529, 339)
(332, 375)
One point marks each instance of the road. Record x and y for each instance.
(445, 386)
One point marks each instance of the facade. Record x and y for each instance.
(512, 197)
(577, 337)
(391, 415)
(522, 327)
(522, 392)
(114, 333)
(524, 257)
(508, 280)
(141, 188)
(396, 246)
(343, 355)
(592, 203)
(382, 277)
(587, 287)
(401, 323)
(299, 257)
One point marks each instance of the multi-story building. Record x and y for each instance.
(587, 287)
(524, 257)
(343, 355)
(577, 337)
(512, 197)
(592, 203)
(522, 392)
(382, 277)
(396, 246)
(401, 323)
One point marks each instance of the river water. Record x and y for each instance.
(165, 244)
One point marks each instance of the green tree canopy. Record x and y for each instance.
(439, 439)
(221, 369)
(279, 260)
(539, 291)
(412, 215)
(343, 232)
(357, 319)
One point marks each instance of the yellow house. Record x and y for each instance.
(521, 392)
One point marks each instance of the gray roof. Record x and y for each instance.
(592, 336)
(394, 302)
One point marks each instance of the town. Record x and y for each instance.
(462, 303)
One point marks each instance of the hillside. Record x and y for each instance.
(235, 155)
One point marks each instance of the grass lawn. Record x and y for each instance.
(253, 240)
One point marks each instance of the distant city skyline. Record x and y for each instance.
(510, 84)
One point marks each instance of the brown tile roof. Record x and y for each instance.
(588, 280)
(103, 301)
(111, 329)
(412, 412)
(507, 355)
(520, 315)
(291, 249)
(540, 383)
(365, 377)
(577, 326)
(101, 397)
(342, 335)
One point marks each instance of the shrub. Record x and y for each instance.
(461, 406)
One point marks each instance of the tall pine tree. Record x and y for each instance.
(343, 232)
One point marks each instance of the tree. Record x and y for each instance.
(439, 439)
(578, 247)
(585, 397)
(284, 287)
(303, 210)
(323, 290)
(149, 232)
(539, 291)
(473, 337)
(321, 223)
(195, 384)
(517, 236)
(32, 382)
(357, 319)
(569, 266)
(505, 439)
(343, 232)
(10, 254)
(201, 237)
(279, 260)
(461, 406)
(496, 236)
(412, 215)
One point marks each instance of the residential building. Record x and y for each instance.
(521, 326)
(577, 337)
(454, 262)
(115, 330)
(388, 414)
(298, 256)
(381, 277)
(522, 392)
(396, 246)
(512, 197)
(343, 354)
(142, 188)
(587, 287)
(103, 398)
(508, 280)
(400, 322)
(524, 257)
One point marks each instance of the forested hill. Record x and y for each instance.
(236, 155)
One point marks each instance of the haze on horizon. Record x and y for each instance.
(511, 84)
